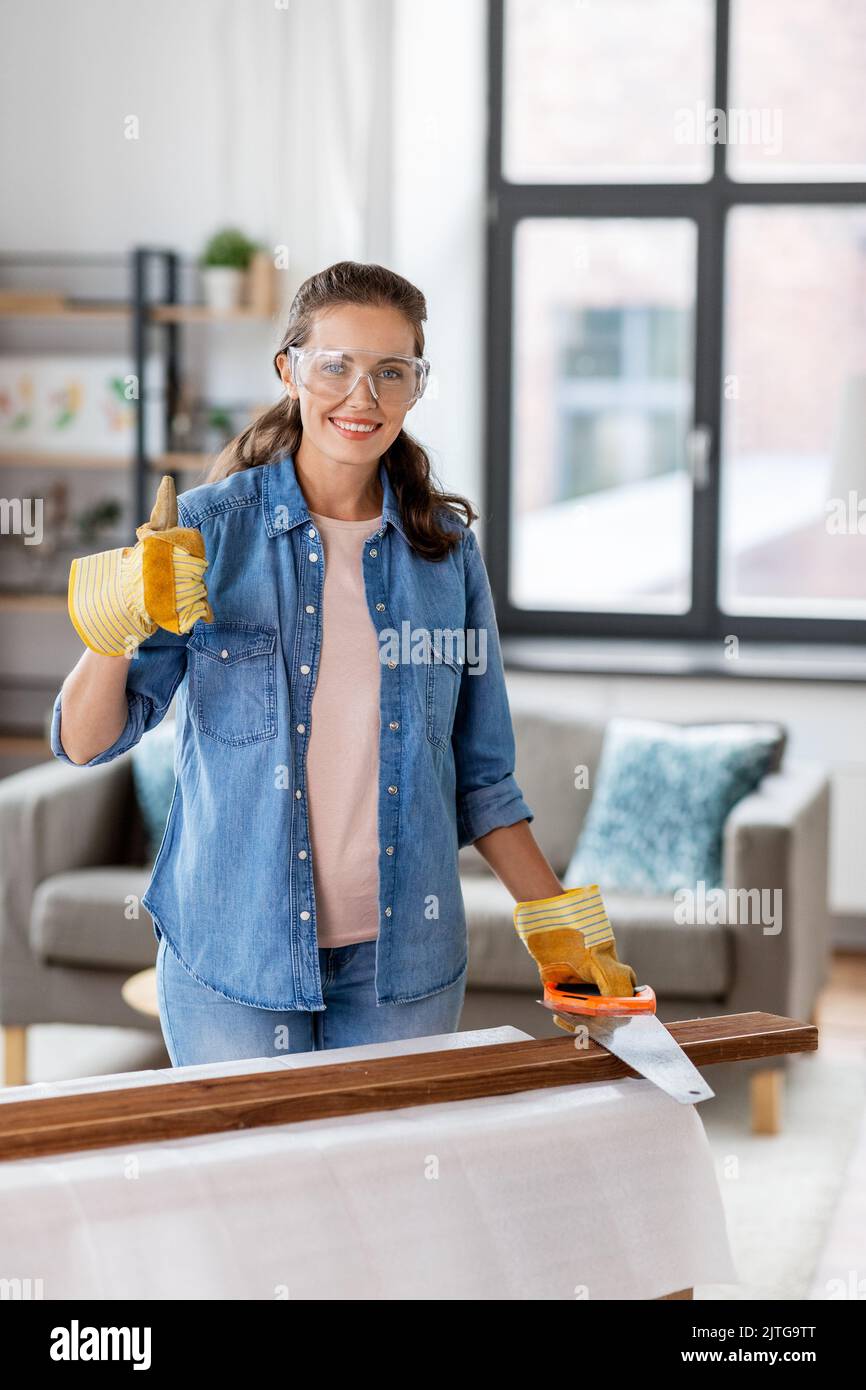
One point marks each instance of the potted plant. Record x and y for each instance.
(224, 264)
(219, 428)
(98, 518)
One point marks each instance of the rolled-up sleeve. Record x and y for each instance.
(155, 672)
(483, 739)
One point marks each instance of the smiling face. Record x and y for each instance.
(381, 329)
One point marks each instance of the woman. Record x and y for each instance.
(342, 719)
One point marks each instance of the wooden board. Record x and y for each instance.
(178, 1109)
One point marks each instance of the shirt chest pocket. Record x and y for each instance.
(232, 681)
(443, 690)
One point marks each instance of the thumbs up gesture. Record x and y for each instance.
(118, 598)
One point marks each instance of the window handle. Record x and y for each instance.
(699, 447)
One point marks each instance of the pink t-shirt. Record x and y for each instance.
(343, 746)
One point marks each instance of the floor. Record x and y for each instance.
(794, 1202)
(841, 1270)
(842, 1008)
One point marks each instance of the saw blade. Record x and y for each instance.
(644, 1044)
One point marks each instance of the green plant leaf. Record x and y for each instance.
(229, 248)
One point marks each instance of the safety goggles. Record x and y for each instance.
(333, 373)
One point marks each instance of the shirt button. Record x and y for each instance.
(395, 724)
(393, 791)
(380, 608)
(305, 916)
(391, 665)
(302, 728)
(374, 552)
(224, 653)
(311, 533)
(313, 555)
(387, 912)
(309, 608)
(297, 796)
(305, 670)
(390, 849)
(302, 854)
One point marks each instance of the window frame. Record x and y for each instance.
(707, 204)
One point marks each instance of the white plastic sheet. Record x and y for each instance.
(599, 1191)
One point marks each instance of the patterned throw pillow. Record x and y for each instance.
(661, 798)
(154, 778)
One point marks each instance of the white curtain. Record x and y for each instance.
(342, 129)
(308, 125)
(271, 114)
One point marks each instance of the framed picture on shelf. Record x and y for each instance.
(79, 403)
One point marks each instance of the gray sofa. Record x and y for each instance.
(73, 867)
(775, 838)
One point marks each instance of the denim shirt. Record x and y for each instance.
(232, 884)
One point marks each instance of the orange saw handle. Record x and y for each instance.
(580, 998)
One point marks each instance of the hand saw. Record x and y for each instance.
(628, 1028)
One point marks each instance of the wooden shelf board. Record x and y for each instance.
(166, 463)
(170, 463)
(177, 1109)
(34, 459)
(157, 313)
(200, 313)
(29, 744)
(68, 311)
(32, 603)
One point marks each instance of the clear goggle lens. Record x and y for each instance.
(334, 372)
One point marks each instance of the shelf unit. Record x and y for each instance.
(166, 314)
(142, 314)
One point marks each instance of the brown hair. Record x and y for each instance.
(278, 430)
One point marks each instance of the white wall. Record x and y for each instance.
(339, 128)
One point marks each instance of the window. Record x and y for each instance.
(794, 412)
(677, 324)
(603, 388)
(582, 106)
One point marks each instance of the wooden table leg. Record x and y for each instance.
(14, 1055)
(766, 1097)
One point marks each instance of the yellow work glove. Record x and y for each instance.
(118, 598)
(571, 940)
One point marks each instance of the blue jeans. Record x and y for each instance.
(199, 1025)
